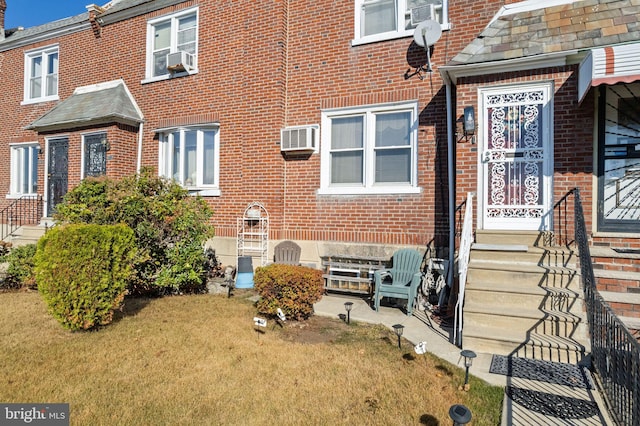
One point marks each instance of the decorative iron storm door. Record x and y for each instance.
(58, 172)
(516, 159)
(619, 158)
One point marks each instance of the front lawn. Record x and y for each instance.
(197, 360)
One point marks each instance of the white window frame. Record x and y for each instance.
(165, 159)
(401, 5)
(173, 18)
(18, 174)
(368, 186)
(43, 53)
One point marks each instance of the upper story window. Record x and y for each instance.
(171, 35)
(369, 150)
(377, 20)
(191, 156)
(24, 169)
(41, 75)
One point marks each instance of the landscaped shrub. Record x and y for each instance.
(20, 273)
(294, 289)
(170, 226)
(82, 272)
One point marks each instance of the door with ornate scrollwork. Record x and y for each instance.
(516, 157)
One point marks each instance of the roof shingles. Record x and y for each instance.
(575, 26)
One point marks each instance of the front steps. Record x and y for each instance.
(26, 234)
(524, 299)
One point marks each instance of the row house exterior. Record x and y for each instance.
(204, 91)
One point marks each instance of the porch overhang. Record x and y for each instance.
(94, 105)
(609, 65)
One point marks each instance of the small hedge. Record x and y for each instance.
(20, 273)
(82, 272)
(294, 289)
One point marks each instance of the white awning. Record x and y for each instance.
(609, 65)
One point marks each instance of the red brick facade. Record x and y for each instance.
(267, 64)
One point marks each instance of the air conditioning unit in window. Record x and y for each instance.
(422, 13)
(299, 139)
(180, 61)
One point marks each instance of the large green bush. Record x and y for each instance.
(20, 273)
(170, 226)
(294, 289)
(82, 272)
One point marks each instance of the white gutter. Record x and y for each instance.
(139, 161)
(450, 73)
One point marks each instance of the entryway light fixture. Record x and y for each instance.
(469, 121)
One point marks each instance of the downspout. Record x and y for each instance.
(451, 180)
(139, 162)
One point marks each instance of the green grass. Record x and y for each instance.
(196, 360)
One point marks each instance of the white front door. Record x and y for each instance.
(516, 157)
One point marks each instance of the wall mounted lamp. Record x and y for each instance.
(469, 121)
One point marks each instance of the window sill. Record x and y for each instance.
(214, 192)
(168, 76)
(39, 100)
(383, 190)
(18, 196)
(389, 36)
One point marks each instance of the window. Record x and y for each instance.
(378, 20)
(191, 156)
(24, 169)
(41, 75)
(95, 154)
(369, 150)
(176, 33)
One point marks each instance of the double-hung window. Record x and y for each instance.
(24, 169)
(41, 75)
(171, 34)
(377, 20)
(369, 150)
(191, 156)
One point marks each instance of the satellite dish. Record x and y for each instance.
(427, 33)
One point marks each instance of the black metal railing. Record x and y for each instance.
(23, 211)
(615, 351)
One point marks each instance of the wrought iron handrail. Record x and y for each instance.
(466, 238)
(26, 210)
(615, 351)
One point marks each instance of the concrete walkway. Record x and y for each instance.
(419, 328)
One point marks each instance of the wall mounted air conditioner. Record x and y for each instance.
(299, 139)
(422, 13)
(180, 61)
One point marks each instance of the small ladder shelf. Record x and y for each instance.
(253, 232)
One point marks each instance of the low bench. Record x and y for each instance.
(351, 274)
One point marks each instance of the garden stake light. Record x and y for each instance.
(398, 328)
(468, 361)
(460, 414)
(348, 306)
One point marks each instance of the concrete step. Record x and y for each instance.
(504, 341)
(528, 238)
(27, 234)
(501, 292)
(521, 274)
(554, 256)
(525, 320)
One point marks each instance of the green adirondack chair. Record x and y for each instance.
(405, 278)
